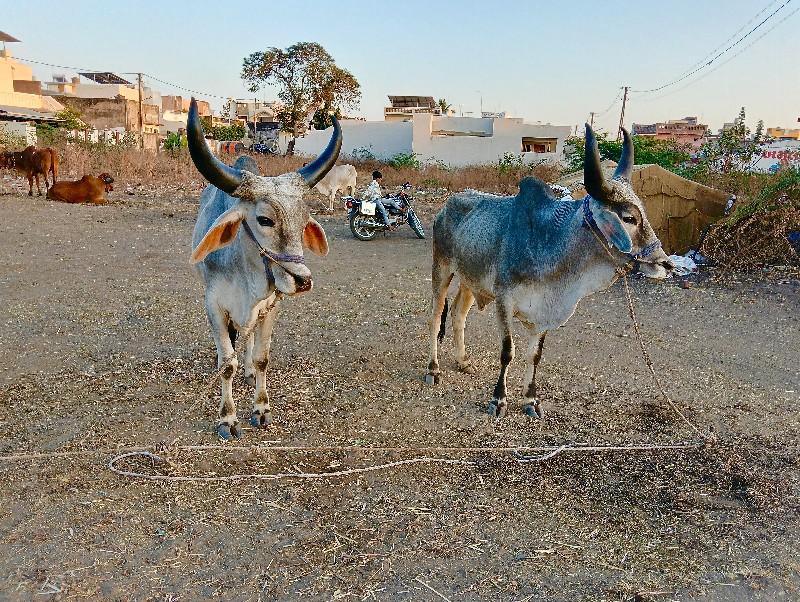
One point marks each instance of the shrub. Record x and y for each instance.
(405, 160)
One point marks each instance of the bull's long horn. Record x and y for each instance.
(625, 167)
(593, 179)
(315, 171)
(215, 171)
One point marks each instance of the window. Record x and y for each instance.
(539, 145)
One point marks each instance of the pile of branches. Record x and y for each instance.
(742, 244)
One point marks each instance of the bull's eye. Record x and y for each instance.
(629, 219)
(265, 221)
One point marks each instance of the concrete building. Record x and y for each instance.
(404, 108)
(21, 97)
(454, 141)
(110, 104)
(782, 134)
(685, 131)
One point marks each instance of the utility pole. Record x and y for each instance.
(141, 121)
(591, 121)
(622, 114)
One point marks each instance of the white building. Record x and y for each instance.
(454, 141)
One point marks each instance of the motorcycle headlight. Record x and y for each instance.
(349, 204)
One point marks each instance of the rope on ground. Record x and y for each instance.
(271, 476)
(622, 272)
(544, 453)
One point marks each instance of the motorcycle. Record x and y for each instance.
(366, 221)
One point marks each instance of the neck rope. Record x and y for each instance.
(269, 257)
(588, 222)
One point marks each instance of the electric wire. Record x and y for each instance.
(708, 63)
(732, 36)
(144, 75)
(707, 73)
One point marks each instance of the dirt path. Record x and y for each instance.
(105, 347)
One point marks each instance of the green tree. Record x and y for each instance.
(308, 79)
(669, 154)
(734, 149)
(444, 106)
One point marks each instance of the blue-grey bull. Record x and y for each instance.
(536, 257)
(246, 269)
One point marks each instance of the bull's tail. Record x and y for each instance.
(443, 323)
(232, 333)
(53, 164)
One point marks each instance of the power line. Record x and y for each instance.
(613, 102)
(704, 65)
(707, 73)
(728, 39)
(79, 69)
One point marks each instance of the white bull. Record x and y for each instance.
(340, 177)
(248, 243)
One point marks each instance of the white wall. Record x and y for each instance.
(106, 91)
(383, 139)
(504, 136)
(21, 129)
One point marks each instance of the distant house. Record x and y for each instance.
(685, 131)
(454, 141)
(110, 105)
(21, 97)
(403, 108)
(782, 134)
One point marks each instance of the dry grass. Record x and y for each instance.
(132, 167)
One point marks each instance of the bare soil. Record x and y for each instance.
(105, 349)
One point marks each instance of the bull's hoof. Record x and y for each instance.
(226, 431)
(432, 379)
(533, 409)
(467, 368)
(250, 379)
(497, 408)
(260, 419)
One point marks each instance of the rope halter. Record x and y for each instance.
(269, 257)
(588, 222)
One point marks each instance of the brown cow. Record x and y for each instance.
(89, 189)
(31, 163)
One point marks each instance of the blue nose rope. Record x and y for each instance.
(588, 222)
(269, 257)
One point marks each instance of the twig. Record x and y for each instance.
(440, 594)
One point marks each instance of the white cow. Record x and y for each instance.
(340, 177)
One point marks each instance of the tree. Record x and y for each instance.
(308, 80)
(669, 154)
(444, 106)
(733, 151)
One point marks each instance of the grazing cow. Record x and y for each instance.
(246, 269)
(536, 257)
(89, 189)
(340, 177)
(32, 163)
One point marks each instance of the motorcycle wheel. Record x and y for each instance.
(359, 230)
(415, 224)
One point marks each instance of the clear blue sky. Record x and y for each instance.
(549, 61)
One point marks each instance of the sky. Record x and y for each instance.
(550, 62)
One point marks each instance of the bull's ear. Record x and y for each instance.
(612, 228)
(221, 233)
(314, 238)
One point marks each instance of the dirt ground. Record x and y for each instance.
(105, 349)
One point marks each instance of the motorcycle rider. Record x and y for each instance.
(373, 193)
